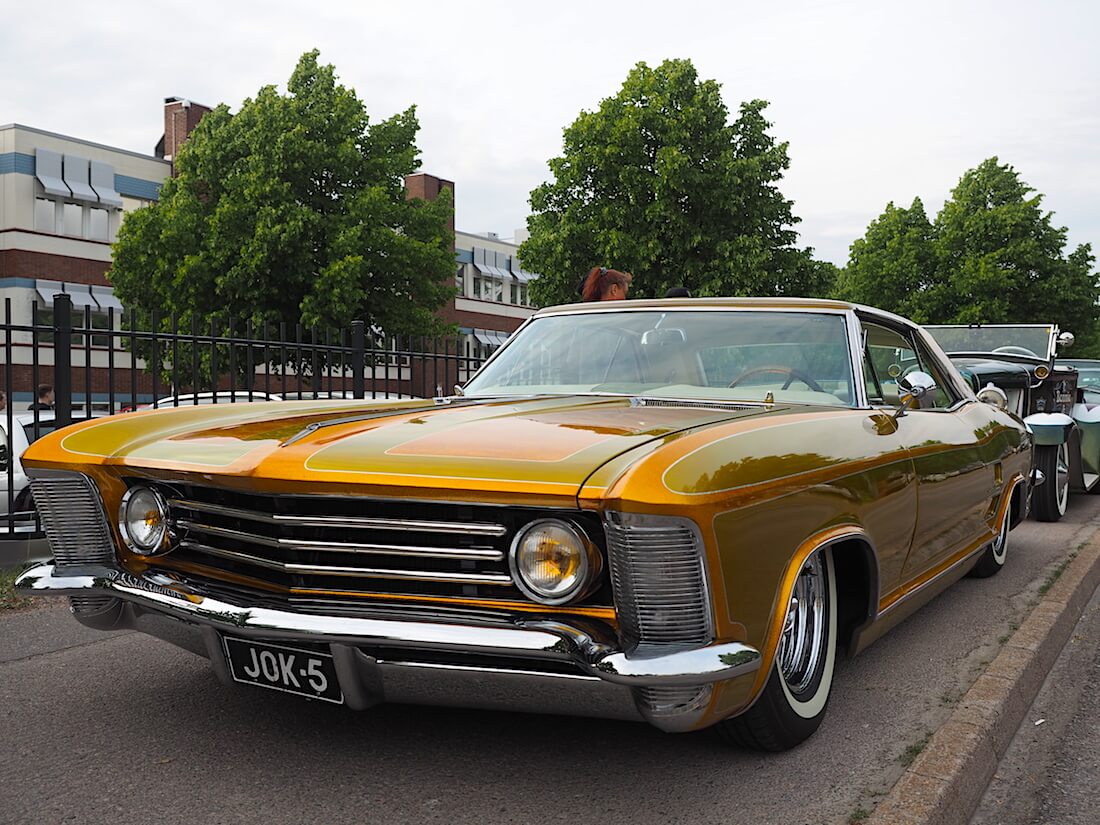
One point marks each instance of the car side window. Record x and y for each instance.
(886, 357)
(945, 395)
(889, 355)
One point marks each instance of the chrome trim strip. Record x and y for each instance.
(459, 553)
(506, 637)
(355, 522)
(497, 579)
(922, 587)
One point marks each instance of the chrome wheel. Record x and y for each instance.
(1063, 477)
(805, 628)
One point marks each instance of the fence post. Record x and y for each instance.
(62, 359)
(358, 357)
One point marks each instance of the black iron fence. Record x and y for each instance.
(98, 364)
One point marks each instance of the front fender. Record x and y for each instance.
(1050, 429)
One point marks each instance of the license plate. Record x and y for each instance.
(289, 669)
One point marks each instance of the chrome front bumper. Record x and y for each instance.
(505, 652)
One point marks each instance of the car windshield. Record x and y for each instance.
(801, 357)
(1032, 341)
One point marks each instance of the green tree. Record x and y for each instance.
(992, 256)
(1001, 260)
(658, 182)
(291, 210)
(892, 265)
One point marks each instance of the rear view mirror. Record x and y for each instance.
(663, 337)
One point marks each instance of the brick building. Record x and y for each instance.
(62, 200)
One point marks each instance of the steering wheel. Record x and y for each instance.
(1011, 349)
(791, 373)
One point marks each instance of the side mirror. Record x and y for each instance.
(916, 390)
(994, 396)
(1065, 340)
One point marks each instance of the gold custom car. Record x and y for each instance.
(675, 511)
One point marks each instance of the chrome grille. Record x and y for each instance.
(659, 580)
(335, 547)
(666, 701)
(72, 516)
(90, 605)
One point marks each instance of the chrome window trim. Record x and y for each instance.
(846, 312)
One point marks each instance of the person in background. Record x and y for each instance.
(678, 292)
(603, 284)
(45, 398)
(3, 401)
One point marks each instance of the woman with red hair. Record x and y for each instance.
(603, 284)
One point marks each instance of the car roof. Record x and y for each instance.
(703, 303)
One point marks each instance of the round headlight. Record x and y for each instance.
(143, 520)
(1042, 371)
(552, 562)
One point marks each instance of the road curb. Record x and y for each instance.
(946, 781)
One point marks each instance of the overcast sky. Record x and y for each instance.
(880, 101)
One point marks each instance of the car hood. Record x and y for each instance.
(541, 445)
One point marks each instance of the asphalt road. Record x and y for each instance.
(122, 728)
(1051, 771)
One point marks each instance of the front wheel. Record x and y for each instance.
(792, 704)
(1052, 496)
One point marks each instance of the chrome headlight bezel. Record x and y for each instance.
(590, 564)
(164, 541)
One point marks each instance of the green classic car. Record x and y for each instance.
(674, 511)
(1051, 397)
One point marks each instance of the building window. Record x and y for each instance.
(74, 220)
(98, 224)
(98, 319)
(45, 213)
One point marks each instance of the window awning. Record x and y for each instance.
(76, 178)
(502, 337)
(105, 297)
(103, 182)
(484, 338)
(47, 169)
(503, 274)
(81, 295)
(483, 269)
(522, 275)
(46, 290)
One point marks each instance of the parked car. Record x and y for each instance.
(1046, 394)
(15, 492)
(674, 511)
(1088, 377)
(220, 397)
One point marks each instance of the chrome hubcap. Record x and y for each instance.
(801, 644)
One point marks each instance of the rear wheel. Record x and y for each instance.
(1052, 496)
(995, 553)
(793, 701)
